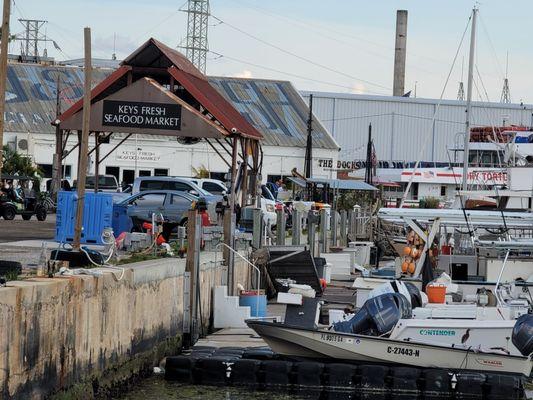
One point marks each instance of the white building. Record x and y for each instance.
(275, 108)
(406, 129)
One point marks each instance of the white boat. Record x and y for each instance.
(323, 344)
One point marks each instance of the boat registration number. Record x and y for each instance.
(403, 351)
(330, 338)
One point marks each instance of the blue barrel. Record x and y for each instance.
(121, 221)
(251, 300)
(97, 215)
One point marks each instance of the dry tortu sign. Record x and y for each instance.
(141, 115)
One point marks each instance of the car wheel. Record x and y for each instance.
(40, 213)
(9, 213)
(26, 217)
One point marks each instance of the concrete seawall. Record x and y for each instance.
(83, 336)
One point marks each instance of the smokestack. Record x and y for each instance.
(399, 53)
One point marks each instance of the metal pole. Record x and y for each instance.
(334, 223)
(82, 166)
(323, 231)
(296, 227)
(469, 98)
(280, 227)
(311, 233)
(96, 161)
(3, 72)
(257, 235)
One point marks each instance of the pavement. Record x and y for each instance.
(22, 240)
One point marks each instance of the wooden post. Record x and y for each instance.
(84, 147)
(194, 223)
(229, 223)
(244, 186)
(280, 227)
(3, 72)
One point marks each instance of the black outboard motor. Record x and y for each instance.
(523, 334)
(378, 315)
(416, 297)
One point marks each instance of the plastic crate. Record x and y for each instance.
(97, 215)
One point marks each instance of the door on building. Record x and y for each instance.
(145, 172)
(128, 176)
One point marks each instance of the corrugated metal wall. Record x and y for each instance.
(402, 128)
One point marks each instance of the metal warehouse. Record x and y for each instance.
(274, 108)
(402, 125)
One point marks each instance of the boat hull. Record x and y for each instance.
(299, 342)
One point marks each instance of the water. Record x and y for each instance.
(156, 388)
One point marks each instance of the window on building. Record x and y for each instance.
(221, 176)
(415, 191)
(46, 169)
(115, 171)
(443, 190)
(160, 172)
(145, 172)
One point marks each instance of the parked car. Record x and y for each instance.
(172, 204)
(213, 186)
(106, 183)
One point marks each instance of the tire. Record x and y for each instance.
(40, 213)
(9, 213)
(26, 217)
(7, 267)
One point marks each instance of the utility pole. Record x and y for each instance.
(84, 146)
(400, 53)
(368, 169)
(31, 37)
(469, 98)
(197, 24)
(308, 167)
(3, 73)
(58, 156)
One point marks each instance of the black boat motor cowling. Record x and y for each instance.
(378, 315)
(522, 336)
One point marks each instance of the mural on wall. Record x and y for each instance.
(275, 108)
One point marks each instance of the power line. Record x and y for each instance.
(298, 56)
(284, 72)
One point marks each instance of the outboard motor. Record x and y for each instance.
(392, 287)
(378, 315)
(523, 334)
(416, 297)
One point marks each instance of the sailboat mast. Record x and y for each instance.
(469, 97)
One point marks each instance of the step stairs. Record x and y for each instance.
(228, 312)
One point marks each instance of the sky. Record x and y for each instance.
(344, 46)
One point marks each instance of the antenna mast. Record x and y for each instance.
(197, 45)
(461, 91)
(506, 93)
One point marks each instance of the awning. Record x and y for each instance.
(341, 184)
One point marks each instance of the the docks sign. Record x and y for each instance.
(141, 115)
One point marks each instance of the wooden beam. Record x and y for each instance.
(218, 152)
(6, 13)
(82, 166)
(114, 148)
